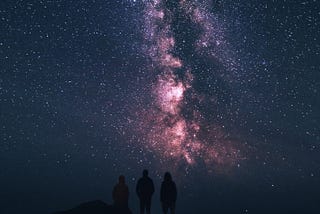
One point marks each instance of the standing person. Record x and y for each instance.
(145, 190)
(168, 194)
(120, 196)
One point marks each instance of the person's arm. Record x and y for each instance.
(175, 191)
(127, 192)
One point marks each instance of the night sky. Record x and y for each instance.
(223, 94)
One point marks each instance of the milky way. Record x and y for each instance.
(223, 94)
(172, 126)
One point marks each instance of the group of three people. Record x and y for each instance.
(145, 190)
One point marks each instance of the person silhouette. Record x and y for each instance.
(120, 196)
(168, 194)
(145, 190)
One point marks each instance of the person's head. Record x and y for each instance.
(122, 179)
(167, 176)
(145, 173)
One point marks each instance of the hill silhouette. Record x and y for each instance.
(95, 207)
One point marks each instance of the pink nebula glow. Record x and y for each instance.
(164, 127)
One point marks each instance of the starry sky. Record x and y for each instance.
(224, 94)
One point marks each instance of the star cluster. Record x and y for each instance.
(172, 126)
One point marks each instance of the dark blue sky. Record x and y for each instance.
(76, 75)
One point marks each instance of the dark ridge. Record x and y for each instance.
(95, 207)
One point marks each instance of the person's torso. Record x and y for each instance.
(169, 191)
(146, 186)
(121, 192)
